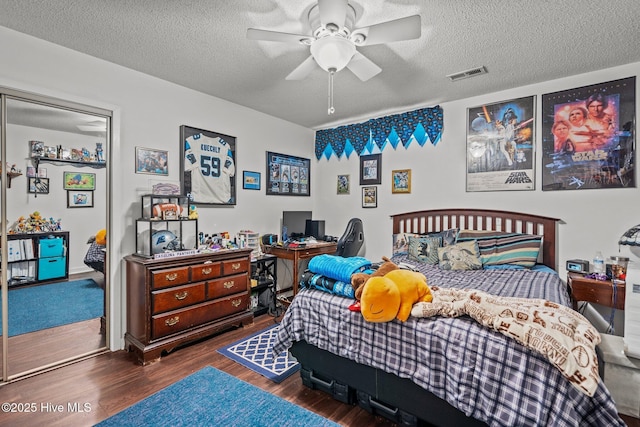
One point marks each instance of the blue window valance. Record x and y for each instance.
(374, 135)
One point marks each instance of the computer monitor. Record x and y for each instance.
(314, 228)
(295, 223)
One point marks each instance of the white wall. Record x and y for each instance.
(591, 220)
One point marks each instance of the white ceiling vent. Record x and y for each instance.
(466, 74)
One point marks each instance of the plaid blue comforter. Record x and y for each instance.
(481, 372)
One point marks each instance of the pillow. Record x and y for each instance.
(460, 256)
(448, 236)
(507, 248)
(401, 243)
(424, 248)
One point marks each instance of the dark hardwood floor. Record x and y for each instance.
(110, 382)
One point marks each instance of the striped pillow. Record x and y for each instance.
(500, 248)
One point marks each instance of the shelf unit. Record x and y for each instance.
(265, 274)
(37, 257)
(39, 159)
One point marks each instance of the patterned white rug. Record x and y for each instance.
(254, 352)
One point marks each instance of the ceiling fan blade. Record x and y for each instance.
(391, 31)
(363, 67)
(302, 70)
(333, 12)
(275, 36)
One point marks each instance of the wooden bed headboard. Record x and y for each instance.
(429, 221)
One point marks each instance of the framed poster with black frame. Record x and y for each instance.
(588, 137)
(371, 169)
(288, 175)
(79, 199)
(207, 166)
(370, 197)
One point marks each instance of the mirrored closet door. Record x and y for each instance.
(55, 208)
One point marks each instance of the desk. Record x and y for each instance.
(597, 291)
(296, 254)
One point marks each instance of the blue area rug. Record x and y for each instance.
(211, 397)
(254, 352)
(46, 306)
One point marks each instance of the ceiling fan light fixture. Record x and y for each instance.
(332, 52)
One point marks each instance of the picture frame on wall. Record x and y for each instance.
(370, 197)
(79, 199)
(371, 169)
(250, 180)
(79, 181)
(287, 175)
(151, 161)
(500, 145)
(401, 181)
(344, 183)
(207, 166)
(588, 137)
(37, 185)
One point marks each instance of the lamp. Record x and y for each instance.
(332, 53)
(631, 238)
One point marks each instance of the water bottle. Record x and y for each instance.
(598, 263)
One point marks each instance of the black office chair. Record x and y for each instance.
(352, 241)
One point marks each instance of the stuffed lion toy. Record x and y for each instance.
(392, 296)
(359, 279)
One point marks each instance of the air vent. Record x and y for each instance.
(466, 74)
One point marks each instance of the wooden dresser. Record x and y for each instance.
(173, 301)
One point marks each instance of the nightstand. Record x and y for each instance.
(596, 291)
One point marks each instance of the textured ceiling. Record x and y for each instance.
(201, 44)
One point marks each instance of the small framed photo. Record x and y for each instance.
(154, 162)
(250, 180)
(79, 199)
(401, 181)
(79, 181)
(370, 197)
(38, 185)
(371, 169)
(343, 184)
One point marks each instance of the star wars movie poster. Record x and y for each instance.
(500, 149)
(588, 137)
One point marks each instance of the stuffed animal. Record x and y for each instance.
(101, 237)
(358, 279)
(393, 295)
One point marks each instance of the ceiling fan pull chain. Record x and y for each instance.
(331, 110)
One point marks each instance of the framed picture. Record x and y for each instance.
(37, 185)
(207, 166)
(154, 162)
(588, 137)
(250, 180)
(500, 146)
(401, 181)
(79, 199)
(370, 197)
(343, 184)
(288, 175)
(31, 172)
(79, 181)
(371, 169)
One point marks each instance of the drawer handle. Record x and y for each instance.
(236, 302)
(172, 321)
(181, 295)
(229, 285)
(236, 266)
(207, 270)
(171, 276)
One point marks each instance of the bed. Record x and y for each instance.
(442, 370)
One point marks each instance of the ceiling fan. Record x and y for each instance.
(334, 40)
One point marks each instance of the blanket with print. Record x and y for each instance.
(562, 335)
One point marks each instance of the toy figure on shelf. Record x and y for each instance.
(193, 212)
(99, 152)
(35, 223)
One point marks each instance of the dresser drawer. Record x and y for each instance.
(235, 266)
(205, 271)
(180, 320)
(180, 296)
(170, 277)
(227, 286)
